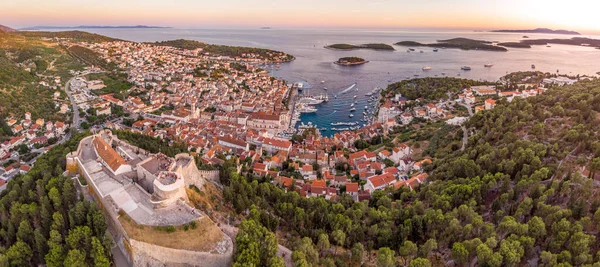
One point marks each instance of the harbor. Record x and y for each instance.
(347, 110)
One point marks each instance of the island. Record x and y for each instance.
(348, 47)
(541, 30)
(514, 45)
(573, 41)
(460, 43)
(351, 61)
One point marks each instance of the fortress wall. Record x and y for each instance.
(145, 254)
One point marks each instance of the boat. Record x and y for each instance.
(533, 66)
(325, 88)
(351, 115)
(548, 46)
(298, 86)
(352, 105)
(355, 96)
(435, 50)
(411, 49)
(489, 65)
(306, 109)
(443, 73)
(427, 68)
(322, 81)
(366, 107)
(323, 129)
(343, 123)
(465, 68)
(408, 50)
(364, 113)
(421, 51)
(416, 75)
(305, 126)
(309, 100)
(352, 109)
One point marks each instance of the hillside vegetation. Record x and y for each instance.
(223, 50)
(460, 43)
(514, 196)
(24, 63)
(43, 221)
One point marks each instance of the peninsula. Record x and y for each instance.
(460, 43)
(541, 30)
(372, 46)
(351, 61)
(37, 28)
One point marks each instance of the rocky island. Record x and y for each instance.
(350, 61)
(348, 47)
(460, 43)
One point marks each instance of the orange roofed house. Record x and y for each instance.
(109, 157)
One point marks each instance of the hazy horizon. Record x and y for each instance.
(578, 15)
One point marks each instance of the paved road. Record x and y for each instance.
(464, 129)
(76, 118)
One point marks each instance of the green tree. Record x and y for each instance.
(511, 251)
(339, 237)
(386, 257)
(75, 257)
(460, 254)
(408, 250)
(323, 243)
(420, 262)
(358, 251)
(255, 244)
(19, 254)
(428, 247)
(98, 254)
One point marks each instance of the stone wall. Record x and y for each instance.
(210, 175)
(145, 254)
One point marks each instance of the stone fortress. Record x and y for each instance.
(150, 189)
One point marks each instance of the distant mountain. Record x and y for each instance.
(90, 27)
(6, 29)
(542, 30)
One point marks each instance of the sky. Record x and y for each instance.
(577, 15)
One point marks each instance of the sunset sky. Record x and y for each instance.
(456, 14)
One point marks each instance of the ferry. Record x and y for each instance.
(489, 65)
(465, 68)
(309, 100)
(427, 68)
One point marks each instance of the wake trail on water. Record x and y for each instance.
(348, 89)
